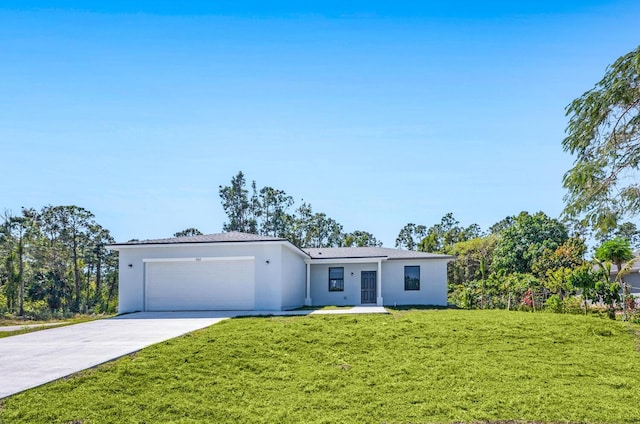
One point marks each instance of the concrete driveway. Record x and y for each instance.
(29, 360)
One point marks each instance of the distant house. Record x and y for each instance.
(632, 278)
(239, 271)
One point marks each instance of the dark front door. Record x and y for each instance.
(368, 287)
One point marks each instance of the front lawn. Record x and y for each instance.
(410, 366)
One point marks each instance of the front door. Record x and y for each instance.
(368, 287)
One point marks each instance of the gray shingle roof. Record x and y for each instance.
(206, 238)
(369, 252)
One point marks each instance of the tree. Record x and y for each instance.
(99, 260)
(309, 229)
(503, 224)
(473, 259)
(473, 262)
(606, 291)
(74, 225)
(53, 261)
(626, 230)
(576, 227)
(521, 244)
(558, 282)
(585, 279)
(189, 232)
(568, 255)
(323, 231)
(69, 226)
(441, 237)
(471, 232)
(410, 236)
(298, 228)
(239, 208)
(629, 231)
(555, 267)
(617, 251)
(55, 258)
(273, 212)
(360, 238)
(604, 135)
(19, 231)
(266, 212)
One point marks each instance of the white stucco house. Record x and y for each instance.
(238, 271)
(632, 278)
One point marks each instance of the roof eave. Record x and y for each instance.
(351, 260)
(410, 258)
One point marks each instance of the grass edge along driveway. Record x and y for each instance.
(425, 366)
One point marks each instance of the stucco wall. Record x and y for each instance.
(320, 294)
(130, 291)
(294, 274)
(433, 283)
(268, 276)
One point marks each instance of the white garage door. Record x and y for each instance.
(200, 284)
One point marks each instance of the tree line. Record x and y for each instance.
(54, 261)
(267, 212)
(525, 261)
(530, 261)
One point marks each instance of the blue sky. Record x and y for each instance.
(377, 113)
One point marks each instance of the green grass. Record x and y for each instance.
(409, 366)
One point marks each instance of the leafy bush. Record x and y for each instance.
(554, 304)
(3, 303)
(38, 310)
(573, 305)
(465, 297)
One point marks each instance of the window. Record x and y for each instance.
(336, 279)
(412, 278)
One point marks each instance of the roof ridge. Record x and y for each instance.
(228, 236)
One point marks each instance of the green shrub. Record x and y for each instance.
(466, 297)
(554, 304)
(3, 304)
(573, 305)
(38, 310)
(634, 314)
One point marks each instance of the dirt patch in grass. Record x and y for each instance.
(31, 326)
(11, 322)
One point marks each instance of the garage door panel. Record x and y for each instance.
(200, 285)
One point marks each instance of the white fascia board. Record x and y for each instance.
(205, 259)
(346, 260)
(433, 258)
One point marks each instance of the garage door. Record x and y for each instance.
(200, 284)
